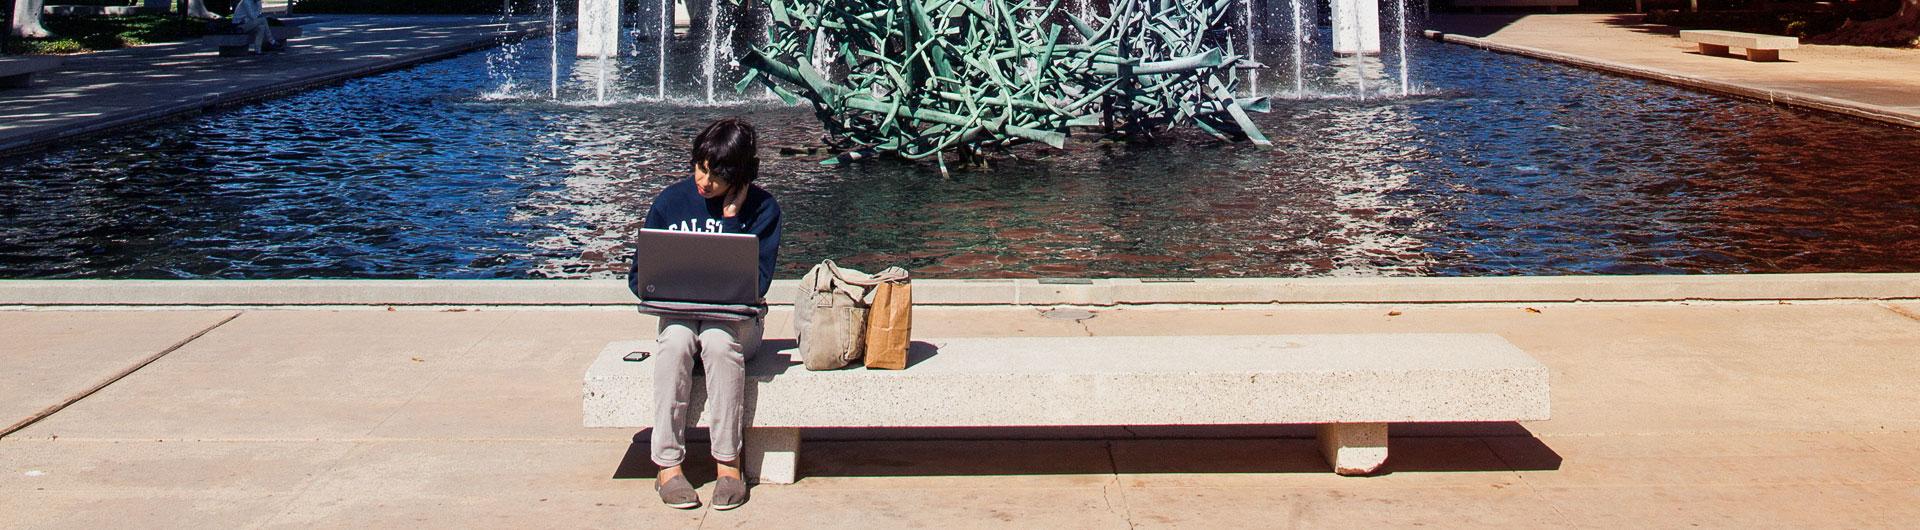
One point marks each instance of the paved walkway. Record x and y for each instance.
(1877, 83)
(96, 92)
(1665, 415)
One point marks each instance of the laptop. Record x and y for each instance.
(697, 267)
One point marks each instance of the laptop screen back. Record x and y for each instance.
(698, 267)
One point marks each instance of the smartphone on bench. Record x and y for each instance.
(638, 354)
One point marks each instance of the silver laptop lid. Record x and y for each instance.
(698, 267)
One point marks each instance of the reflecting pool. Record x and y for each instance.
(1498, 165)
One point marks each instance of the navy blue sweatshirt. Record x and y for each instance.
(680, 207)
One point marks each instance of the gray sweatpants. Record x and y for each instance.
(723, 348)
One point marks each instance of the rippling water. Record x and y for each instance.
(1502, 166)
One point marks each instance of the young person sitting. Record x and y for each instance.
(719, 197)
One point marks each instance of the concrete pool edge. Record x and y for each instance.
(1789, 98)
(960, 292)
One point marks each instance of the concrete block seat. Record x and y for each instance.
(1759, 47)
(17, 72)
(235, 44)
(1350, 385)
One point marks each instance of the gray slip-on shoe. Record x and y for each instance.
(729, 493)
(678, 493)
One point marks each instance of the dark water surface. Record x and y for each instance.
(1502, 166)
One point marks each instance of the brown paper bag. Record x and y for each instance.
(890, 326)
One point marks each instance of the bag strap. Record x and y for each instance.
(842, 279)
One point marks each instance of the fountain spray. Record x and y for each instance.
(608, 26)
(660, 60)
(553, 60)
(1253, 75)
(1359, 61)
(1406, 87)
(1299, 44)
(713, 43)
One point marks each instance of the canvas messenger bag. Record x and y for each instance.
(830, 313)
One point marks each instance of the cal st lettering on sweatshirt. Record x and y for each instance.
(680, 207)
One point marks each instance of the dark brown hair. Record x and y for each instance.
(727, 147)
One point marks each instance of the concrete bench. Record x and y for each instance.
(1760, 48)
(235, 44)
(1352, 386)
(17, 72)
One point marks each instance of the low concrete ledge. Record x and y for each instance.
(1102, 292)
(18, 72)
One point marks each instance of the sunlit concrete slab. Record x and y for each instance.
(1739, 506)
(118, 507)
(1902, 447)
(1910, 310)
(549, 339)
(502, 403)
(1718, 414)
(1862, 81)
(1808, 459)
(988, 507)
(576, 510)
(231, 468)
(279, 375)
(1354, 506)
(49, 358)
(488, 483)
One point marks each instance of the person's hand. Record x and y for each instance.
(735, 198)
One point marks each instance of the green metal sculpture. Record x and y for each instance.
(918, 78)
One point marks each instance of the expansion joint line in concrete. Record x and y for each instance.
(116, 377)
(1113, 466)
(1520, 479)
(1902, 312)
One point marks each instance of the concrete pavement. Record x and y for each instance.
(1666, 414)
(1875, 83)
(97, 92)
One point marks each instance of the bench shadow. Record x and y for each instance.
(1638, 23)
(1168, 450)
(1739, 57)
(637, 463)
(770, 362)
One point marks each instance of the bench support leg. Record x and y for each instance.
(772, 455)
(16, 81)
(1354, 448)
(1763, 56)
(1713, 49)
